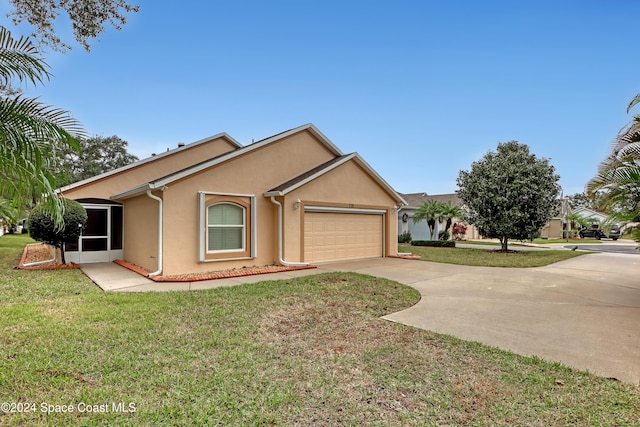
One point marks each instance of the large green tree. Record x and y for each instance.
(584, 200)
(29, 129)
(97, 155)
(510, 193)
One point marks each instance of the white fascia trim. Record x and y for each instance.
(314, 130)
(360, 160)
(147, 160)
(380, 180)
(201, 225)
(311, 128)
(310, 178)
(133, 192)
(195, 169)
(333, 209)
(206, 165)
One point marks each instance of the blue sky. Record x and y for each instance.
(420, 89)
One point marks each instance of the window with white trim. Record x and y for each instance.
(226, 224)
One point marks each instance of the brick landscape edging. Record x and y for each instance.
(21, 266)
(212, 275)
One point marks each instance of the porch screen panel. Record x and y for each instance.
(116, 227)
(96, 222)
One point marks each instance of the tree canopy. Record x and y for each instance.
(584, 200)
(510, 193)
(97, 155)
(88, 18)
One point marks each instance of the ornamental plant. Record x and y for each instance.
(43, 228)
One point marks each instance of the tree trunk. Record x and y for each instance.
(504, 242)
(61, 247)
(432, 226)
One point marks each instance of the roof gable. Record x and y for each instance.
(322, 169)
(206, 164)
(589, 213)
(150, 160)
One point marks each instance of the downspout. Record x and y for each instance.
(283, 262)
(159, 200)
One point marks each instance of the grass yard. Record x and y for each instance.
(489, 258)
(536, 241)
(309, 351)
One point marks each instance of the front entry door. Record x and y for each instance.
(101, 240)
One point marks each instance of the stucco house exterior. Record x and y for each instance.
(420, 230)
(291, 199)
(554, 229)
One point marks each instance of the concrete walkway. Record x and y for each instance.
(583, 312)
(113, 277)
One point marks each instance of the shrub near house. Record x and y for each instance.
(43, 228)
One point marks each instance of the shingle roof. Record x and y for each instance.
(415, 200)
(292, 182)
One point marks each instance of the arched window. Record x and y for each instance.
(225, 227)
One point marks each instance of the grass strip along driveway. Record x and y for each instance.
(307, 351)
(491, 258)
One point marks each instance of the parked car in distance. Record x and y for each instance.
(614, 233)
(594, 232)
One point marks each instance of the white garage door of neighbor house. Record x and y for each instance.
(331, 236)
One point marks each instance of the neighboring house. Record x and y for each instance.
(291, 199)
(420, 230)
(596, 217)
(556, 225)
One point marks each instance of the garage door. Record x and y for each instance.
(330, 236)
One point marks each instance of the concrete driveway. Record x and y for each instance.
(583, 312)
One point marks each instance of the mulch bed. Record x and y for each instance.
(39, 252)
(212, 275)
(411, 256)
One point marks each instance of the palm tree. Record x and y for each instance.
(430, 211)
(578, 221)
(618, 177)
(29, 130)
(449, 212)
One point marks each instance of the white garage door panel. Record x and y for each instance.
(332, 236)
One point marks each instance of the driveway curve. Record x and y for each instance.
(610, 247)
(583, 312)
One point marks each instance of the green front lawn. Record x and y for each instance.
(309, 351)
(536, 241)
(491, 258)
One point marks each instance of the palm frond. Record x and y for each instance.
(20, 59)
(633, 102)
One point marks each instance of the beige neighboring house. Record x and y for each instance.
(290, 199)
(556, 225)
(420, 230)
